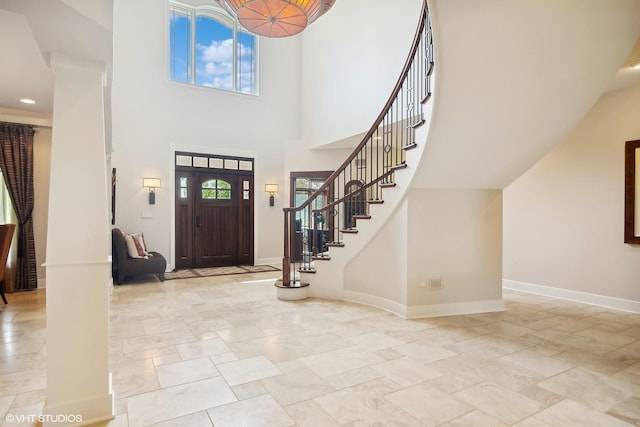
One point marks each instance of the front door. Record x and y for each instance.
(214, 218)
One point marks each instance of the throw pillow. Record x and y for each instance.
(135, 245)
(141, 246)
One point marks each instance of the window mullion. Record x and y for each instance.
(193, 47)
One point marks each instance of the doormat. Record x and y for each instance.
(191, 273)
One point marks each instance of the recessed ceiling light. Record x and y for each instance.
(636, 66)
(27, 101)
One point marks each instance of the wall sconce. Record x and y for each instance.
(151, 184)
(271, 189)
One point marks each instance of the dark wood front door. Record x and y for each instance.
(214, 219)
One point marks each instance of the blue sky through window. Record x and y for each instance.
(214, 54)
(217, 60)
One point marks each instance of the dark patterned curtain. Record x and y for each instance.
(16, 163)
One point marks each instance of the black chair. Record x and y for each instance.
(123, 265)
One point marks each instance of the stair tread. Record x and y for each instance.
(418, 124)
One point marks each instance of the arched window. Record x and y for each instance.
(207, 47)
(216, 189)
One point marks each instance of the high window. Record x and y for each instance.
(207, 47)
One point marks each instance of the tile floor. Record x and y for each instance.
(224, 351)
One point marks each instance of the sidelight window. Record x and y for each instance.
(183, 187)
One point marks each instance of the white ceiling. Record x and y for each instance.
(31, 29)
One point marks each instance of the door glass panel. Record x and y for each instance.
(183, 187)
(216, 189)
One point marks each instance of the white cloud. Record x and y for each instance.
(215, 65)
(217, 51)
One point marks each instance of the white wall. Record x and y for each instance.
(455, 236)
(151, 115)
(564, 218)
(380, 269)
(352, 57)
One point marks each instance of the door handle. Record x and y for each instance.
(197, 220)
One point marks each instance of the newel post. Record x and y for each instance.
(286, 259)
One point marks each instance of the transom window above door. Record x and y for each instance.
(207, 47)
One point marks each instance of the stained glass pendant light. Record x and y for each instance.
(278, 18)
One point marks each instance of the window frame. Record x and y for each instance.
(220, 15)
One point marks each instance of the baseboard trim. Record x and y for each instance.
(424, 311)
(455, 309)
(375, 301)
(575, 296)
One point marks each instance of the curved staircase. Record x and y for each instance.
(361, 195)
(513, 79)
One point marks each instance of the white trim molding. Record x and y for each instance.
(455, 309)
(375, 301)
(575, 296)
(423, 311)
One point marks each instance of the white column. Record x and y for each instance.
(78, 261)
